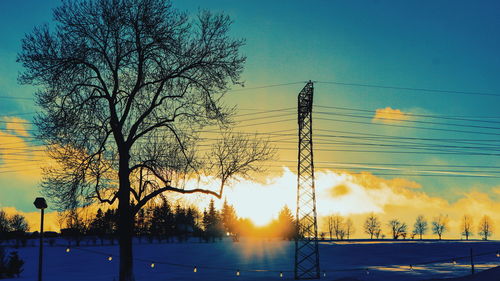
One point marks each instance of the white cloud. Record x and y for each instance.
(390, 115)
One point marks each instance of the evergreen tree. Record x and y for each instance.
(181, 225)
(162, 221)
(141, 224)
(229, 217)
(191, 217)
(286, 224)
(212, 222)
(98, 226)
(110, 224)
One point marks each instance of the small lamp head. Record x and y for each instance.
(40, 203)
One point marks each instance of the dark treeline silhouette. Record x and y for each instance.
(13, 227)
(341, 228)
(165, 223)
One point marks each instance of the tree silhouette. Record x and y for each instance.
(229, 217)
(10, 266)
(286, 224)
(18, 223)
(372, 226)
(349, 228)
(185, 222)
(336, 226)
(212, 222)
(141, 226)
(162, 221)
(467, 226)
(485, 227)
(125, 87)
(98, 226)
(4, 223)
(77, 226)
(397, 228)
(192, 217)
(440, 225)
(420, 226)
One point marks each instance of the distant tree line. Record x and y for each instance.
(13, 227)
(339, 227)
(164, 222)
(14, 223)
(342, 228)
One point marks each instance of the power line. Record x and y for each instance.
(410, 127)
(412, 138)
(424, 90)
(410, 121)
(231, 90)
(15, 98)
(268, 86)
(437, 116)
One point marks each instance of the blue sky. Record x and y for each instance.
(449, 45)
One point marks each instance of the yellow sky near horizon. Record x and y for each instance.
(343, 192)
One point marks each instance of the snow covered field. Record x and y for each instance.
(385, 260)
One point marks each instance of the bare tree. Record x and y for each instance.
(440, 225)
(485, 227)
(125, 87)
(466, 226)
(336, 226)
(18, 223)
(329, 225)
(61, 219)
(349, 228)
(372, 226)
(397, 228)
(341, 234)
(236, 154)
(420, 226)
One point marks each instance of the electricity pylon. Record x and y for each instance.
(306, 242)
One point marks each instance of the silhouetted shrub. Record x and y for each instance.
(11, 266)
(14, 265)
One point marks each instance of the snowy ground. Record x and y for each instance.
(385, 260)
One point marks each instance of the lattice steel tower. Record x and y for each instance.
(306, 244)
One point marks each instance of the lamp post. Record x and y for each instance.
(41, 204)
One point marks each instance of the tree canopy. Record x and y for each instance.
(124, 88)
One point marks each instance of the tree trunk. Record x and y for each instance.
(125, 222)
